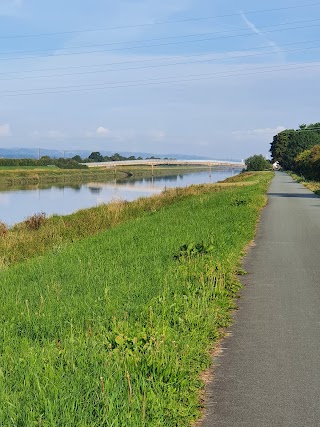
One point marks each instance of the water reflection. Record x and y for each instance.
(18, 203)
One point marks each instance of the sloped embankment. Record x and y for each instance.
(115, 328)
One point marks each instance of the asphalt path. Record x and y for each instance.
(269, 371)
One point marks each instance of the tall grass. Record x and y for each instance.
(22, 241)
(115, 329)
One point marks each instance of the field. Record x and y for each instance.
(113, 324)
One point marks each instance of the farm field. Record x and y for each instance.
(109, 315)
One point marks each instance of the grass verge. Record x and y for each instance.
(311, 185)
(115, 329)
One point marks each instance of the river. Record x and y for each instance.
(17, 205)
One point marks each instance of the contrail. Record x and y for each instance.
(271, 43)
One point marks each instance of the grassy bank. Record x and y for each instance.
(311, 185)
(115, 329)
(37, 236)
(13, 177)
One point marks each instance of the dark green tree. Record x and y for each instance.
(307, 163)
(95, 156)
(279, 145)
(288, 144)
(77, 158)
(257, 163)
(298, 142)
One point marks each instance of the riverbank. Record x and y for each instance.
(13, 177)
(115, 321)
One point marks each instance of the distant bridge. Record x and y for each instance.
(159, 162)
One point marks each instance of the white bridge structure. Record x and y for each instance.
(168, 162)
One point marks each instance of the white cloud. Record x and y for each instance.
(258, 132)
(5, 130)
(102, 131)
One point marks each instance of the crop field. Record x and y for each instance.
(114, 325)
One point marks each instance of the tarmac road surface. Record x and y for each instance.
(269, 371)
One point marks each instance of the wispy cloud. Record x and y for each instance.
(9, 7)
(258, 132)
(50, 134)
(5, 130)
(261, 34)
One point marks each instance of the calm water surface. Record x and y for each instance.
(16, 205)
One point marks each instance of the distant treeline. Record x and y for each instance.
(44, 161)
(95, 156)
(68, 163)
(299, 150)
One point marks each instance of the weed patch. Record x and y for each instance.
(191, 250)
(3, 229)
(35, 221)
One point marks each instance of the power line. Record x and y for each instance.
(155, 81)
(161, 22)
(157, 45)
(171, 64)
(157, 39)
(151, 59)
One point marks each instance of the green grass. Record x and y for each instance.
(7, 168)
(22, 242)
(13, 177)
(115, 329)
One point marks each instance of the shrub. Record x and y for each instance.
(35, 221)
(3, 229)
(257, 163)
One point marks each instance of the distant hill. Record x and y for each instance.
(33, 153)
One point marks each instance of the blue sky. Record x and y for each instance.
(208, 87)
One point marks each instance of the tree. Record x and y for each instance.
(77, 158)
(279, 145)
(288, 144)
(95, 156)
(307, 163)
(298, 142)
(257, 163)
(116, 157)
